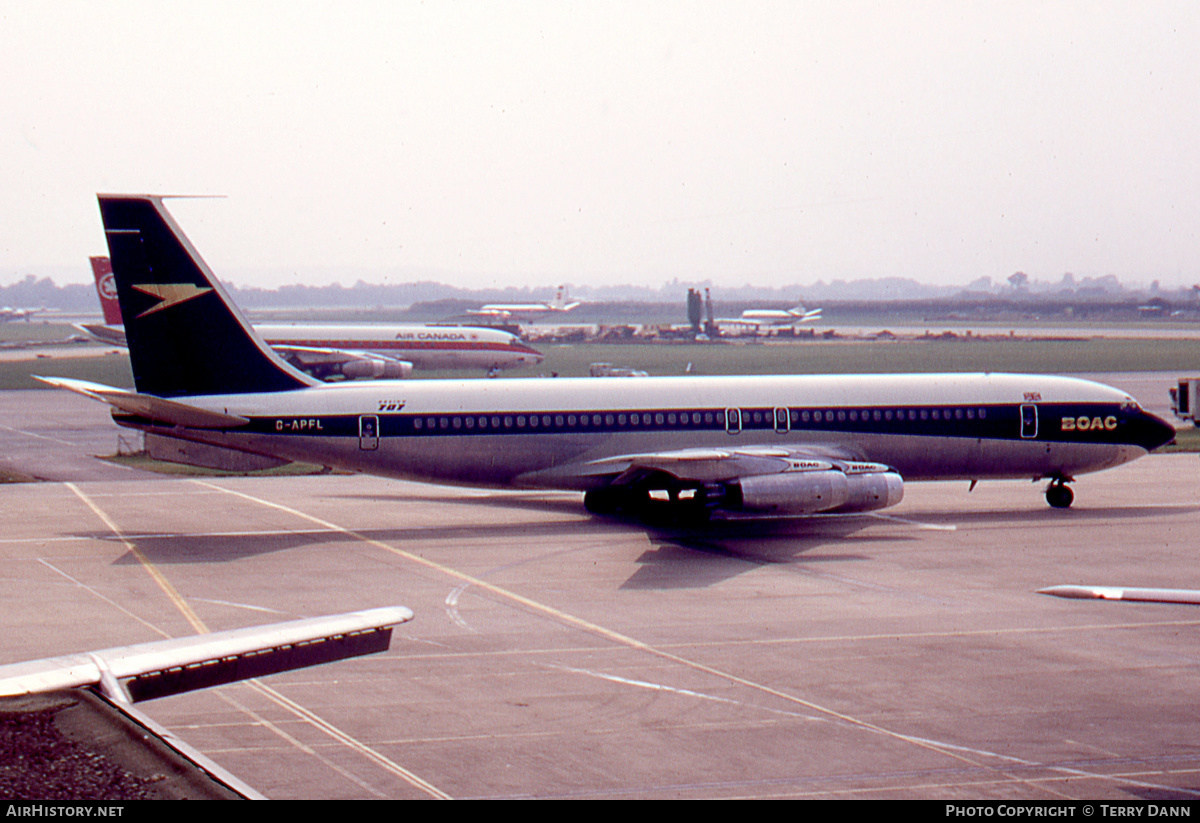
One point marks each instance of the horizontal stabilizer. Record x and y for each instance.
(156, 409)
(107, 335)
(165, 667)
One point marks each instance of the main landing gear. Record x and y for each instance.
(655, 500)
(1059, 494)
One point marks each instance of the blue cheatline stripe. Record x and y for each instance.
(1104, 422)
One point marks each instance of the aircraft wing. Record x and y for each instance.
(156, 409)
(717, 464)
(763, 479)
(165, 667)
(345, 362)
(108, 335)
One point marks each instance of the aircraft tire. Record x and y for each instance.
(1060, 496)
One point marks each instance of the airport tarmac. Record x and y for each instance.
(904, 654)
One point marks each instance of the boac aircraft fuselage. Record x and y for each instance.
(686, 445)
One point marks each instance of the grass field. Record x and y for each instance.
(810, 357)
(37, 331)
(109, 369)
(1186, 440)
(853, 357)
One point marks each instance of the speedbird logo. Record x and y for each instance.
(170, 294)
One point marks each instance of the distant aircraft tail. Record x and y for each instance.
(561, 302)
(804, 315)
(185, 335)
(106, 288)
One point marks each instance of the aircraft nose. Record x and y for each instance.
(1152, 431)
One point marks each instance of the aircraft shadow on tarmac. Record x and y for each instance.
(678, 557)
(166, 549)
(563, 502)
(674, 560)
(1041, 514)
(690, 557)
(568, 504)
(1155, 794)
(685, 558)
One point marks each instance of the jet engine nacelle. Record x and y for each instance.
(375, 369)
(809, 492)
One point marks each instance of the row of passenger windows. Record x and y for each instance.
(887, 414)
(778, 418)
(582, 421)
(396, 344)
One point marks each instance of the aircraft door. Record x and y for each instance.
(783, 423)
(733, 420)
(368, 432)
(1029, 421)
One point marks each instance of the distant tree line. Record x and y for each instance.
(432, 300)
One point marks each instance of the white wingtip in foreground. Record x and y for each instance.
(164, 667)
(112, 680)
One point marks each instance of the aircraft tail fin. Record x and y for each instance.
(561, 301)
(106, 289)
(185, 336)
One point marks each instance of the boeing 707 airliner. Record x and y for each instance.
(686, 447)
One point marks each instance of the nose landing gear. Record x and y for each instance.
(1059, 494)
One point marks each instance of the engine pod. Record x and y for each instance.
(795, 492)
(869, 492)
(809, 492)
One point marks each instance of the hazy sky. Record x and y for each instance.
(530, 143)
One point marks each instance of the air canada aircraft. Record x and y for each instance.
(677, 447)
(341, 350)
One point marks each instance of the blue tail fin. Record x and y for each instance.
(185, 335)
